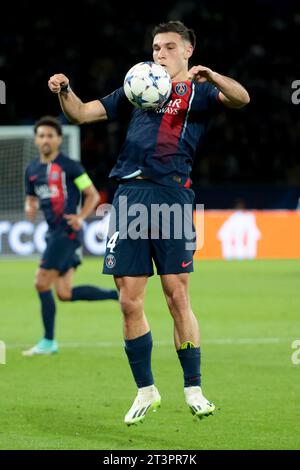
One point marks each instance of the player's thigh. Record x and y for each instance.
(128, 257)
(45, 278)
(171, 282)
(60, 253)
(172, 256)
(131, 289)
(128, 251)
(133, 285)
(172, 248)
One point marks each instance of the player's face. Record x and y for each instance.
(47, 140)
(173, 53)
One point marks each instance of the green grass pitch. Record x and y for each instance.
(249, 317)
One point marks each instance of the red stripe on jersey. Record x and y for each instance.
(173, 120)
(187, 184)
(56, 186)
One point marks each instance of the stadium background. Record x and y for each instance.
(251, 154)
(250, 311)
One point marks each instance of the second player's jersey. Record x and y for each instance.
(57, 186)
(161, 144)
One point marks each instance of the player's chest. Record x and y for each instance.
(50, 182)
(178, 104)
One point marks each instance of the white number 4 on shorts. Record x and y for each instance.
(112, 242)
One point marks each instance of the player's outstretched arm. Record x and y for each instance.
(74, 109)
(31, 207)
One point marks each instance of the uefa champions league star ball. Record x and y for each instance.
(147, 85)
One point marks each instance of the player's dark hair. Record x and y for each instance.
(49, 121)
(176, 27)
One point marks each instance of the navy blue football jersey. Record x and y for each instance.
(161, 144)
(54, 184)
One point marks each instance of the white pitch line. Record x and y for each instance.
(119, 344)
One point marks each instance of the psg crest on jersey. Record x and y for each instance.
(181, 89)
(55, 175)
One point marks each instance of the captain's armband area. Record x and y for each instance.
(83, 181)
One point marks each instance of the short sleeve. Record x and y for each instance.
(115, 104)
(29, 186)
(212, 93)
(74, 170)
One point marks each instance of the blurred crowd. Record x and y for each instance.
(96, 42)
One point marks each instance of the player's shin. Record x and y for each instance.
(48, 310)
(190, 358)
(139, 351)
(93, 293)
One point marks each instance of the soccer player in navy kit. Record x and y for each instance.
(154, 167)
(54, 182)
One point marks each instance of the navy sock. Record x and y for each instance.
(48, 312)
(93, 293)
(138, 351)
(190, 362)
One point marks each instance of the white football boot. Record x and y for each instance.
(197, 403)
(148, 398)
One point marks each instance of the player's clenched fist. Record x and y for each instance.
(57, 81)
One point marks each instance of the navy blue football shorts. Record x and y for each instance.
(62, 252)
(150, 222)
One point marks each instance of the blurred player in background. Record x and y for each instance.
(154, 167)
(54, 183)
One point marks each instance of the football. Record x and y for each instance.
(147, 85)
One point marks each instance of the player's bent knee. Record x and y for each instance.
(41, 285)
(64, 296)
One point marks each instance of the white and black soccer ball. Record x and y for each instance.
(147, 85)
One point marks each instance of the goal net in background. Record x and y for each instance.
(17, 149)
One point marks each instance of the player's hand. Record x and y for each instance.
(31, 208)
(57, 81)
(201, 74)
(74, 220)
(30, 213)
